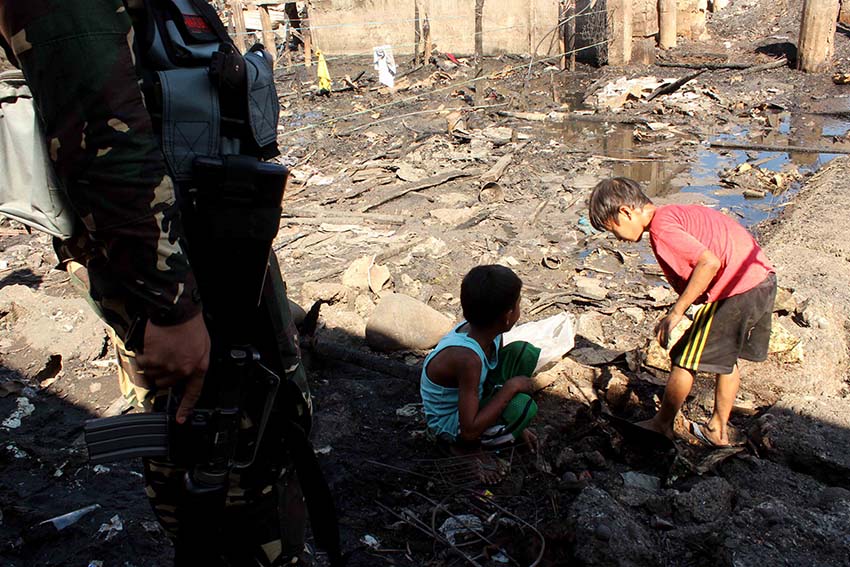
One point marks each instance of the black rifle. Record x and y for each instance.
(231, 215)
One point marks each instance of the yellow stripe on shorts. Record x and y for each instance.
(692, 353)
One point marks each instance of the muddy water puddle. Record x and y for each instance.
(677, 166)
(669, 172)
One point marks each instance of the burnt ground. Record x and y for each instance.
(595, 495)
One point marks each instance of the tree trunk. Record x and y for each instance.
(817, 35)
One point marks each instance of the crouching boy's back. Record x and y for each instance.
(473, 389)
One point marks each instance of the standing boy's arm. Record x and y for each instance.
(706, 268)
(475, 419)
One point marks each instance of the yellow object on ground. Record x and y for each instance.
(323, 73)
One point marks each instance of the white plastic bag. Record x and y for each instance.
(555, 336)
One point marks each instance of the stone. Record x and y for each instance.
(640, 480)
(662, 295)
(781, 339)
(498, 135)
(617, 391)
(401, 322)
(363, 305)
(327, 292)
(595, 460)
(590, 287)
(707, 501)
(590, 326)
(454, 216)
(636, 314)
(364, 273)
(595, 513)
(567, 459)
(659, 357)
(785, 301)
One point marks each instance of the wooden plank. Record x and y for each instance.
(418, 186)
(237, 13)
(268, 34)
(781, 148)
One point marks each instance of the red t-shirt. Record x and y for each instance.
(679, 234)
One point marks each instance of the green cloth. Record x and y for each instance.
(515, 359)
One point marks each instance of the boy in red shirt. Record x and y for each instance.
(709, 259)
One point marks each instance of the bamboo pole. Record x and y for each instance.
(236, 12)
(571, 32)
(817, 35)
(667, 23)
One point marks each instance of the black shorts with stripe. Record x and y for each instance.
(724, 331)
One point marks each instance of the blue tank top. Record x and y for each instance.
(440, 402)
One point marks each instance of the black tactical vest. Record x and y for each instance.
(205, 97)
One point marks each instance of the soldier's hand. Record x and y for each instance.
(177, 355)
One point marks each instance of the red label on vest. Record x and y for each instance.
(196, 24)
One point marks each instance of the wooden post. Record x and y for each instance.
(479, 29)
(268, 35)
(571, 32)
(844, 13)
(426, 36)
(307, 38)
(667, 23)
(619, 32)
(562, 33)
(236, 12)
(417, 34)
(817, 35)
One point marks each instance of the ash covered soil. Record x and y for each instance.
(592, 495)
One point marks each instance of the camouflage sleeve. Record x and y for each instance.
(78, 60)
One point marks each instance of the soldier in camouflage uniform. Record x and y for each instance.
(78, 59)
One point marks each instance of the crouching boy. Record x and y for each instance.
(709, 259)
(476, 392)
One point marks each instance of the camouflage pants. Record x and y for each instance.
(265, 514)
